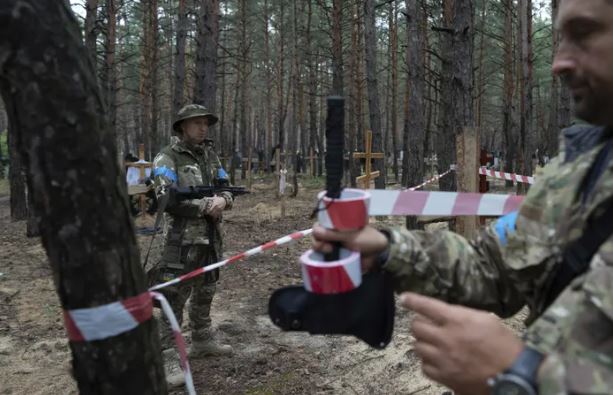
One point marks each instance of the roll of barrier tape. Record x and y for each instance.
(349, 212)
(323, 277)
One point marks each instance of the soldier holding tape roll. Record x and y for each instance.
(555, 255)
(192, 228)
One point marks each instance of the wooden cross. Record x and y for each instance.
(142, 165)
(313, 162)
(368, 155)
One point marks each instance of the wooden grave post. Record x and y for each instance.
(277, 167)
(467, 146)
(142, 165)
(281, 190)
(312, 162)
(368, 155)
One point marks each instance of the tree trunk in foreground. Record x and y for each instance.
(85, 226)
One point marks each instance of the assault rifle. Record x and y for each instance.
(177, 194)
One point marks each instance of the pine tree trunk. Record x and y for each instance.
(243, 76)
(268, 99)
(462, 68)
(551, 145)
(526, 131)
(446, 137)
(374, 110)
(481, 80)
(146, 82)
(508, 127)
(312, 87)
(300, 61)
(223, 135)
(110, 66)
(179, 85)
(393, 27)
(414, 125)
(337, 47)
(86, 227)
(205, 88)
(354, 101)
(281, 105)
(360, 127)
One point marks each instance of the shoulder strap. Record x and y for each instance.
(578, 254)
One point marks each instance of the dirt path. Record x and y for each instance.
(34, 356)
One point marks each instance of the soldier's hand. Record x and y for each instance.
(369, 242)
(216, 206)
(460, 347)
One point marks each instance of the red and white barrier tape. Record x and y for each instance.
(387, 202)
(101, 322)
(506, 176)
(349, 212)
(435, 178)
(109, 320)
(254, 251)
(179, 341)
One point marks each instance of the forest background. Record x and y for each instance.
(421, 74)
(415, 72)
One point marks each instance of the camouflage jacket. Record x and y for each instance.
(185, 165)
(510, 263)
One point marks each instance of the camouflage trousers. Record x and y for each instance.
(201, 289)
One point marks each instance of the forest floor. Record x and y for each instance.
(35, 359)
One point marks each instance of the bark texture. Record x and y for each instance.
(179, 85)
(205, 88)
(337, 47)
(17, 182)
(446, 138)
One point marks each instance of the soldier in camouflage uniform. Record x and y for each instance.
(513, 262)
(192, 233)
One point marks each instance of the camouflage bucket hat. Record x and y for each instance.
(192, 111)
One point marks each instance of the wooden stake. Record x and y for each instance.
(468, 175)
(282, 185)
(277, 167)
(312, 162)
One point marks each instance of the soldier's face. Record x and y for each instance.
(195, 130)
(584, 59)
